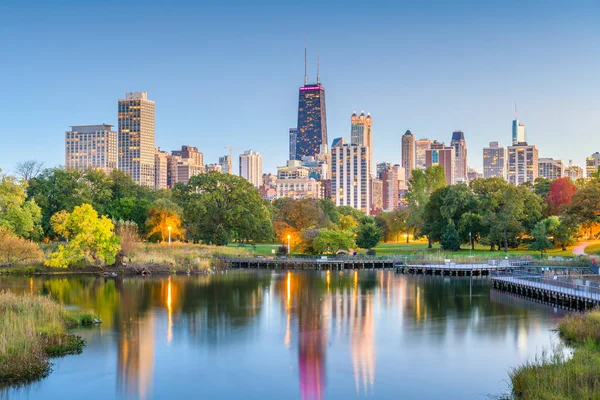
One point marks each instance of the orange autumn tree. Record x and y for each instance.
(162, 215)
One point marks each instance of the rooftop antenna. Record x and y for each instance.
(318, 70)
(516, 111)
(305, 71)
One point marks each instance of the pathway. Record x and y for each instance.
(579, 249)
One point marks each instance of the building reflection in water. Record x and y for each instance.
(135, 358)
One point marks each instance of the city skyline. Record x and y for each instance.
(555, 97)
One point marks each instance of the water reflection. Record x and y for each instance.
(343, 327)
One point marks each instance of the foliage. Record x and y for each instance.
(164, 219)
(540, 241)
(220, 207)
(584, 206)
(30, 169)
(18, 214)
(17, 251)
(450, 240)
(332, 241)
(127, 231)
(394, 224)
(560, 194)
(90, 238)
(368, 235)
(420, 187)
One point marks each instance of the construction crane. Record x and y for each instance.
(231, 148)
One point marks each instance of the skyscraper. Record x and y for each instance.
(91, 147)
(293, 134)
(460, 155)
(136, 137)
(161, 169)
(522, 164)
(518, 132)
(550, 169)
(251, 167)
(408, 153)
(494, 161)
(421, 146)
(591, 164)
(350, 181)
(361, 133)
(226, 166)
(390, 179)
(312, 121)
(443, 156)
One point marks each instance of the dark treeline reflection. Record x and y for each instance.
(315, 310)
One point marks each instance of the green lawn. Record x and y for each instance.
(593, 249)
(420, 247)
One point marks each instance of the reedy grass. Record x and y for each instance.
(556, 374)
(33, 329)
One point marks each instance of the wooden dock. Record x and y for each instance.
(311, 263)
(449, 269)
(561, 292)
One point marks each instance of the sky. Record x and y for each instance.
(227, 73)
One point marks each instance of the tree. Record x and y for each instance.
(332, 241)
(540, 238)
(541, 186)
(585, 206)
(450, 239)
(15, 250)
(91, 238)
(29, 169)
(368, 235)
(164, 219)
(560, 194)
(219, 207)
(420, 187)
(434, 221)
(17, 214)
(394, 223)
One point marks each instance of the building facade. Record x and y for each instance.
(444, 157)
(161, 169)
(301, 188)
(391, 189)
(574, 172)
(91, 147)
(361, 133)
(136, 138)
(312, 120)
(421, 147)
(591, 164)
(460, 155)
(408, 153)
(522, 164)
(518, 132)
(376, 196)
(251, 167)
(226, 166)
(350, 181)
(494, 161)
(293, 132)
(550, 169)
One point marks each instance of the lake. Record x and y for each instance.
(291, 335)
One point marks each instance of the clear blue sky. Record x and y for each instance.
(228, 73)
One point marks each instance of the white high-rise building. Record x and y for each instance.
(251, 167)
(550, 168)
(522, 164)
(91, 147)
(350, 180)
(136, 138)
(161, 168)
(494, 161)
(460, 156)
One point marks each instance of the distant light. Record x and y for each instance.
(311, 88)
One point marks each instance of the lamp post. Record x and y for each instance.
(169, 235)
(470, 244)
(289, 237)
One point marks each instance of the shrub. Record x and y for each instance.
(17, 251)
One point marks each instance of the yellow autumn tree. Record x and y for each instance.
(162, 215)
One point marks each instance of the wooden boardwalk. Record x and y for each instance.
(561, 292)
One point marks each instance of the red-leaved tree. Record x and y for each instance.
(560, 194)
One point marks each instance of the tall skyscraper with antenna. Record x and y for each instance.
(518, 131)
(311, 131)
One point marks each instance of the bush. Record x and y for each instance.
(17, 251)
(451, 239)
(371, 252)
(282, 250)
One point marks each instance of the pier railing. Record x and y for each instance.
(570, 286)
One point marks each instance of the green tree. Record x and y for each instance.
(394, 224)
(91, 239)
(17, 214)
(434, 221)
(220, 207)
(420, 187)
(585, 206)
(332, 241)
(450, 239)
(540, 241)
(368, 235)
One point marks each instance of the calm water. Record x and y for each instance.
(291, 335)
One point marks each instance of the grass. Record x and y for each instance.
(34, 329)
(593, 249)
(558, 376)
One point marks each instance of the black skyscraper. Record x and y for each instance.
(312, 120)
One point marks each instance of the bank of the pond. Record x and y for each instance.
(34, 329)
(557, 376)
